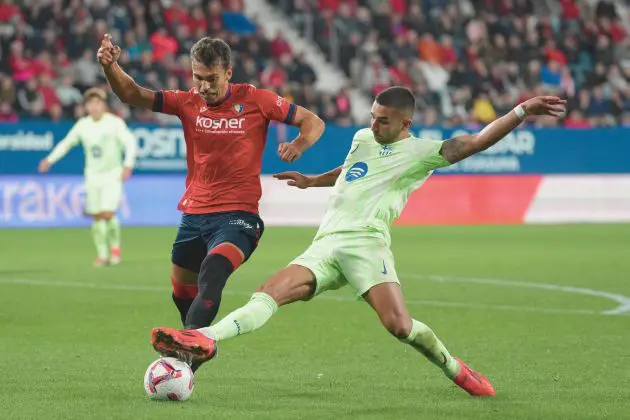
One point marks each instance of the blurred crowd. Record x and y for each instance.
(468, 61)
(471, 60)
(48, 54)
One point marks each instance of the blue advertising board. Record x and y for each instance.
(162, 150)
(49, 201)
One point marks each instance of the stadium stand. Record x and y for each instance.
(471, 60)
(467, 61)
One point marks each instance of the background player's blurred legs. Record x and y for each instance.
(290, 284)
(388, 302)
(99, 236)
(112, 235)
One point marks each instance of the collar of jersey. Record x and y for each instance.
(225, 98)
(396, 142)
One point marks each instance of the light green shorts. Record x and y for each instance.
(103, 195)
(355, 259)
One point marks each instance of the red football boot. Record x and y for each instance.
(184, 344)
(473, 382)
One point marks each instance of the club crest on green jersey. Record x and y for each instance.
(386, 150)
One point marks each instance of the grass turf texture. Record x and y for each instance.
(79, 349)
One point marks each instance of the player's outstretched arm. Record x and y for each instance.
(460, 147)
(122, 84)
(61, 149)
(296, 179)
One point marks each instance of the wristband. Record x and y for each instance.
(520, 112)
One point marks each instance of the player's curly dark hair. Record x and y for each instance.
(212, 52)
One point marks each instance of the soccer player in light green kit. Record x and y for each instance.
(384, 166)
(104, 137)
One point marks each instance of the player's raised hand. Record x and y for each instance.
(545, 105)
(289, 152)
(295, 179)
(108, 53)
(43, 166)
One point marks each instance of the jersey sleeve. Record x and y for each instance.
(169, 101)
(63, 147)
(428, 154)
(274, 107)
(358, 137)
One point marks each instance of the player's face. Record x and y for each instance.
(388, 123)
(95, 107)
(211, 82)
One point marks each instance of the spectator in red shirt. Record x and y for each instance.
(570, 10)
(576, 120)
(162, 43)
(9, 11)
(332, 5)
(197, 20)
(7, 115)
(553, 53)
(280, 46)
(399, 6)
(399, 73)
(48, 91)
(215, 15)
(273, 76)
(21, 67)
(175, 15)
(449, 55)
(43, 65)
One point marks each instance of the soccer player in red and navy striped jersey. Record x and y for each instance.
(225, 127)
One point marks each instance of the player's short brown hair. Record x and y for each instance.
(95, 92)
(212, 52)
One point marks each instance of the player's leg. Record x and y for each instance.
(99, 226)
(231, 239)
(111, 196)
(368, 265)
(310, 274)
(198, 345)
(288, 285)
(187, 254)
(387, 300)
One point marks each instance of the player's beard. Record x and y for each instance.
(211, 98)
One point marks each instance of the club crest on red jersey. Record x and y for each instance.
(238, 108)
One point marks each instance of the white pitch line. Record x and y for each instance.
(622, 309)
(160, 289)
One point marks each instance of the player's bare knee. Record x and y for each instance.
(183, 275)
(398, 325)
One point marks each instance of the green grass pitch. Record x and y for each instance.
(522, 304)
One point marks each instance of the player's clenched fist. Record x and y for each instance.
(289, 152)
(108, 53)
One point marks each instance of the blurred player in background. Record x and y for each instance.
(384, 166)
(104, 137)
(225, 128)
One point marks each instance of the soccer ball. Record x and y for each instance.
(169, 379)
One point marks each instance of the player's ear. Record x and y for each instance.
(407, 123)
(228, 73)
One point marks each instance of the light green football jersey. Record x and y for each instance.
(104, 142)
(376, 182)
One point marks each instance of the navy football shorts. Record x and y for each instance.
(198, 234)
